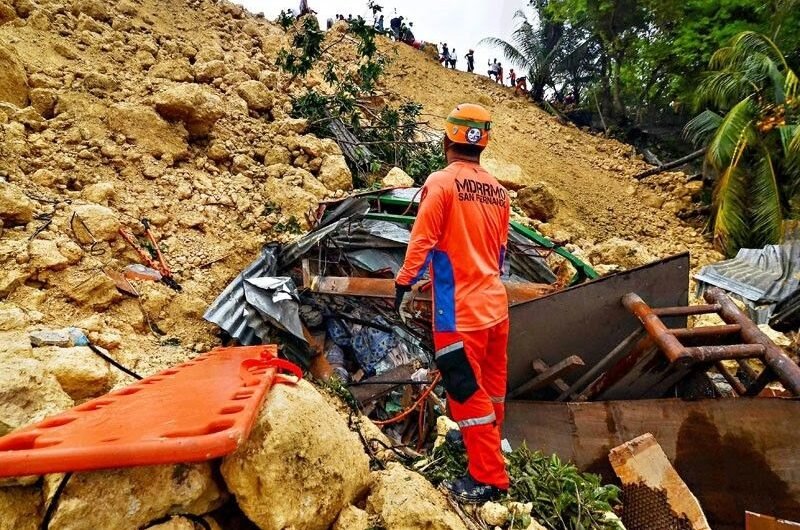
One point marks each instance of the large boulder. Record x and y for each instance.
(20, 508)
(79, 371)
(621, 252)
(148, 130)
(405, 500)
(538, 201)
(123, 499)
(101, 222)
(511, 176)
(44, 255)
(256, 95)
(172, 69)
(97, 9)
(14, 80)
(98, 291)
(194, 105)
(397, 178)
(293, 201)
(301, 465)
(28, 393)
(15, 207)
(335, 174)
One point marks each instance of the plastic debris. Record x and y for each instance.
(137, 271)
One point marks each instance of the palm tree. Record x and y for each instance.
(753, 142)
(533, 50)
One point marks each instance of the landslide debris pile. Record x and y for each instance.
(116, 111)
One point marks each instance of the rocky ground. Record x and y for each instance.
(115, 111)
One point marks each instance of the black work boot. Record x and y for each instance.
(467, 490)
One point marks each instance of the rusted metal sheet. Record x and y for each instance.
(589, 320)
(734, 454)
(384, 288)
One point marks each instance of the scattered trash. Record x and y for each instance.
(137, 271)
(50, 338)
(152, 257)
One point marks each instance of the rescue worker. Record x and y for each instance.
(459, 238)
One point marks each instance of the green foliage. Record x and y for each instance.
(286, 19)
(751, 152)
(563, 498)
(393, 135)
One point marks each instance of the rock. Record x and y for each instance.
(133, 497)
(172, 69)
(15, 207)
(293, 201)
(44, 255)
(99, 193)
(7, 13)
(195, 105)
(148, 130)
(335, 174)
(10, 280)
(327, 470)
(59, 338)
(100, 221)
(97, 291)
(12, 317)
(100, 82)
(20, 508)
(44, 101)
(79, 371)
(775, 336)
(97, 9)
(182, 523)
(538, 201)
(28, 393)
(14, 81)
(206, 72)
(397, 178)
(494, 514)
(352, 518)
(405, 500)
(256, 94)
(510, 176)
(622, 252)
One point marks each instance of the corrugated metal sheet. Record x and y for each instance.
(230, 312)
(759, 277)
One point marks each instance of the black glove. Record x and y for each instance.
(399, 292)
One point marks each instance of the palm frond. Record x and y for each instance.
(749, 43)
(733, 136)
(722, 89)
(729, 210)
(759, 68)
(702, 127)
(791, 84)
(765, 202)
(509, 51)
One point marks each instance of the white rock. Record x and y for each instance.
(397, 178)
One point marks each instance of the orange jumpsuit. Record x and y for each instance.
(460, 234)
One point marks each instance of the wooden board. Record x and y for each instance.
(642, 466)
(755, 521)
(734, 454)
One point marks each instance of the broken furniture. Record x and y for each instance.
(195, 411)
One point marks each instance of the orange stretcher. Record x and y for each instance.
(196, 411)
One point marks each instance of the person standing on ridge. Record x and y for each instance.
(379, 24)
(445, 57)
(470, 57)
(500, 74)
(395, 25)
(459, 238)
(453, 59)
(512, 76)
(493, 67)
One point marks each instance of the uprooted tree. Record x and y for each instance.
(373, 135)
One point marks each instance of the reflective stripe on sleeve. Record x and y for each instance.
(472, 422)
(449, 349)
(497, 399)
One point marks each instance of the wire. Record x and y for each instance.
(113, 362)
(413, 407)
(51, 508)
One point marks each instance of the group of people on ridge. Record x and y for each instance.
(520, 84)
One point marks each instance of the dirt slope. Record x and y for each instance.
(589, 174)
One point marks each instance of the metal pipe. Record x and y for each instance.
(737, 385)
(666, 342)
(683, 311)
(703, 354)
(705, 331)
(787, 371)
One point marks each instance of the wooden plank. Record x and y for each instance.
(642, 465)
(365, 393)
(755, 521)
(548, 376)
(734, 454)
(539, 366)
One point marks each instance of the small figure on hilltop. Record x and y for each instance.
(453, 59)
(379, 25)
(396, 24)
(406, 35)
(493, 69)
(500, 73)
(521, 86)
(445, 56)
(305, 10)
(512, 76)
(470, 57)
